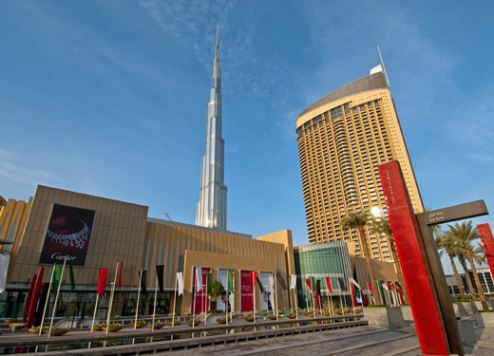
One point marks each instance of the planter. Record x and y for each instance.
(406, 311)
(384, 317)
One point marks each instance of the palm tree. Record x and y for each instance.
(382, 226)
(359, 220)
(447, 245)
(465, 234)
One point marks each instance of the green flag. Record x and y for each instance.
(57, 276)
(210, 283)
(230, 281)
(72, 279)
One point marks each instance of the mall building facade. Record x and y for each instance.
(93, 232)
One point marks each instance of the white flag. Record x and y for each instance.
(293, 281)
(180, 283)
(385, 287)
(4, 266)
(198, 279)
(354, 282)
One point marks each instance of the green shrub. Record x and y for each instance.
(195, 322)
(140, 324)
(17, 326)
(159, 324)
(221, 320)
(113, 328)
(99, 326)
(35, 330)
(291, 315)
(249, 317)
(272, 317)
(59, 331)
(9, 320)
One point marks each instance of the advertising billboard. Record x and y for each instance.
(67, 237)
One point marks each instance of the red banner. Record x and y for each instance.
(413, 261)
(28, 300)
(246, 291)
(119, 276)
(102, 274)
(34, 298)
(488, 243)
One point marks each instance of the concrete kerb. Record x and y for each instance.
(384, 317)
(168, 345)
(27, 339)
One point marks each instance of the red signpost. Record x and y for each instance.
(413, 260)
(488, 243)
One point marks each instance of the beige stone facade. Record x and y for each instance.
(342, 139)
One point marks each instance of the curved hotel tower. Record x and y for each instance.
(211, 207)
(342, 138)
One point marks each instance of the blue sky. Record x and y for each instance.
(109, 97)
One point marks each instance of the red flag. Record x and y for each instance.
(119, 278)
(370, 287)
(309, 284)
(390, 285)
(34, 298)
(329, 287)
(102, 273)
(28, 300)
(253, 276)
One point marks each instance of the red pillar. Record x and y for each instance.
(488, 244)
(413, 261)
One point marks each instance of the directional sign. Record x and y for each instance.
(453, 213)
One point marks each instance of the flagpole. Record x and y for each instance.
(174, 301)
(194, 289)
(138, 299)
(226, 298)
(56, 298)
(155, 298)
(46, 301)
(94, 314)
(111, 299)
(254, 296)
(275, 297)
(205, 294)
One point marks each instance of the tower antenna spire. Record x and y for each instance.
(382, 65)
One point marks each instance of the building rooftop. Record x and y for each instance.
(370, 82)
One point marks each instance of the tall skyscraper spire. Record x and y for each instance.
(211, 207)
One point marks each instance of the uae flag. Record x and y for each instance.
(230, 282)
(341, 284)
(57, 276)
(293, 281)
(308, 282)
(180, 283)
(72, 277)
(119, 275)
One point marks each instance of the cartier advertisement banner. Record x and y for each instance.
(67, 237)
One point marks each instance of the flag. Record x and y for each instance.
(28, 299)
(210, 283)
(180, 283)
(57, 276)
(281, 280)
(160, 272)
(4, 266)
(34, 298)
(341, 284)
(230, 281)
(102, 273)
(259, 284)
(329, 287)
(71, 275)
(308, 282)
(313, 283)
(144, 277)
(370, 287)
(390, 285)
(198, 278)
(293, 281)
(358, 298)
(318, 287)
(253, 276)
(119, 275)
(354, 282)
